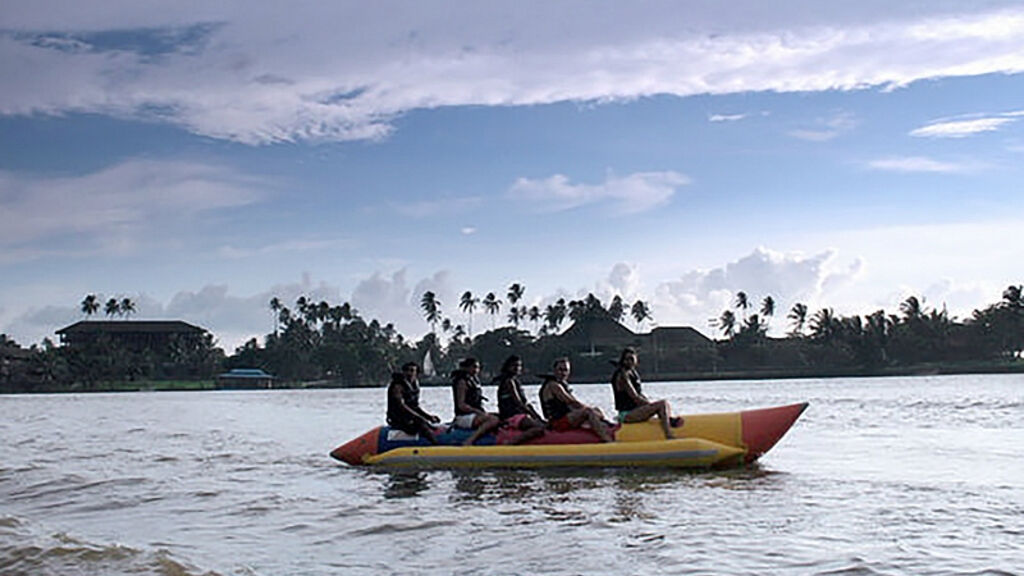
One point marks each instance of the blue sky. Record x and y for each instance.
(202, 159)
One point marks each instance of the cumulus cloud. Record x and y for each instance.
(629, 195)
(920, 164)
(118, 206)
(270, 72)
(391, 299)
(700, 296)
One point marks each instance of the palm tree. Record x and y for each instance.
(90, 304)
(1013, 297)
(468, 304)
(515, 293)
(275, 307)
(534, 314)
(742, 303)
(912, 309)
(515, 315)
(727, 322)
(127, 307)
(798, 315)
(617, 309)
(554, 315)
(492, 305)
(431, 310)
(768, 306)
(112, 307)
(641, 311)
(576, 309)
(824, 324)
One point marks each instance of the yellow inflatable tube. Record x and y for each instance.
(682, 453)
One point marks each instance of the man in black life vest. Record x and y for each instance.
(404, 412)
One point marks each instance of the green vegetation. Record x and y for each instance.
(322, 344)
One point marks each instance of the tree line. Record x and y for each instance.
(332, 344)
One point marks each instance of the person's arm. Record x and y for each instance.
(524, 404)
(395, 393)
(623, 384)
(460, 399)
(559, 391)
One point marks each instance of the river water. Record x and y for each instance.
(880, 476)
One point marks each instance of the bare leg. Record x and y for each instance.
(660, 409)
(529, 431)
(597, 424)
(484, 424)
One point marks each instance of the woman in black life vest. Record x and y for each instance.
(630, 402)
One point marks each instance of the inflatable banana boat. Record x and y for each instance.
(702, 441)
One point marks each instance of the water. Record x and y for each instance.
(879, 476)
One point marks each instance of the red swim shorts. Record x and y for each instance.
(560, 424)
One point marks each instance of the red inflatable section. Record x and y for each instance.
(355, 450)
(763, 428)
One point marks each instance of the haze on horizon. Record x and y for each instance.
(201, 159)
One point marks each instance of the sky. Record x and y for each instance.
(203, 157)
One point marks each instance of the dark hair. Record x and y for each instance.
(468, 362)
(408, 365)
(626, 352)
(509, 363)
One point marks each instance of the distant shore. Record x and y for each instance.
(930, 369)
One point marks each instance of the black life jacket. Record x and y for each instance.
(410, 396)
(474, 391)
(552, 406)
(511, 400)
(623, 402)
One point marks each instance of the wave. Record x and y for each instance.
(25, 552)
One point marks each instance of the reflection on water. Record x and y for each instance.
(405, 484)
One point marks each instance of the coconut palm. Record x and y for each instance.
(768, 306)
(90, 304)
(912, 309)
(742, 303)
(127, 307)
(515, 315)
(468, 304)
(727, 323)
(431, 310)
(515, 293)
(492, 304)
(275, 307)
(554, 315)
(1013, 297)
(640, 312)
(617, 309)
(534, 315)
(798, 316)
(112, 307)
(824, 324)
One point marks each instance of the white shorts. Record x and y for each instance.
(465, 421)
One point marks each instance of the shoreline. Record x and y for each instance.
(681, 377)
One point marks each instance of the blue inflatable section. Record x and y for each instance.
(451, 436)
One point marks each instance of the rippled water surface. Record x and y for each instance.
(879, 476)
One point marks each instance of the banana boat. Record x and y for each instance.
(702, 441)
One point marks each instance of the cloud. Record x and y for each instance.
(827, 128)
(392, 300)
(632, 194)
(700, 296)
(920, 164)
(266, 72)
(118, 207)
(964, 128)
(726, 117)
